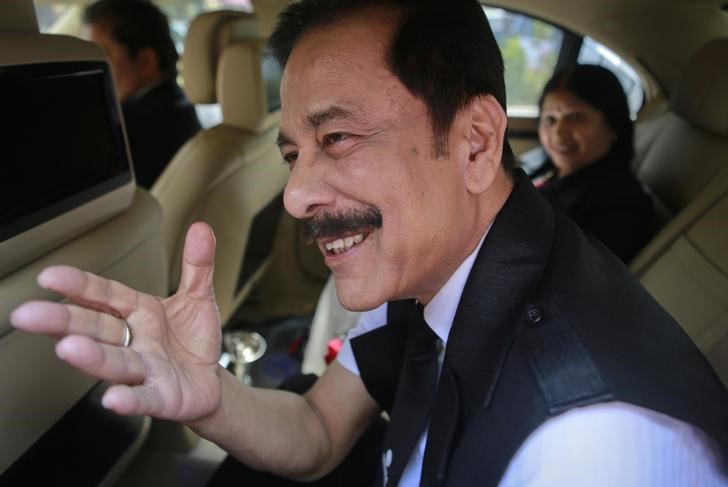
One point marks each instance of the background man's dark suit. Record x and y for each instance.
(158, 123)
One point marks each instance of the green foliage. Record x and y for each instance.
(524, 77)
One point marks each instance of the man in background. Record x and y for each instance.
(157, 115)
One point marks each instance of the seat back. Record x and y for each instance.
(685, 163)
(109, 228)
(681, 149)
(230, 175)
(685, 268)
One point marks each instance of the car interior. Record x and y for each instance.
(224, 175)
(70, 198)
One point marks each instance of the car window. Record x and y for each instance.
(50, 16)
(530, 51)
(593, 52)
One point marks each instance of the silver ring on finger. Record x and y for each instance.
(128, 334)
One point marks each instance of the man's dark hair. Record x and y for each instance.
(137, 24)
(600, 88)
(444, 52)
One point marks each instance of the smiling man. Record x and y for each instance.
(507, 347)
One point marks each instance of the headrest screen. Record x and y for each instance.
(272, 78)
(61, 141)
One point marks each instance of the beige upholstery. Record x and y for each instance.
(207, 37)
(230, 175)
(685, 163)
(41, 388)
(686, 269)
(680, 150)
(267, 12)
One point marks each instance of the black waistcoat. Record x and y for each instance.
(548, 321)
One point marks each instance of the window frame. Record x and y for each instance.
(571, 45)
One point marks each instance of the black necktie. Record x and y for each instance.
(414, 399)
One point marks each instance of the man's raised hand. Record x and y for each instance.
(170, 369)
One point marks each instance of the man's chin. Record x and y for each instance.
(354, 295)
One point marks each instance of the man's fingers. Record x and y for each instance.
(41, 317)
(59, 320)
(106, 362)
(198, 260)
(133, 400)
(89, 290)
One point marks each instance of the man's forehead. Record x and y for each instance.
(324, 64)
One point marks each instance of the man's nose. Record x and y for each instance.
(307, 190)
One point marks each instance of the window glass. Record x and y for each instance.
(50, 15)
(592, 52)
(530, 50)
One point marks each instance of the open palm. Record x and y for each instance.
(170, 370)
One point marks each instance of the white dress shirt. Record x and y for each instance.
(606, 444)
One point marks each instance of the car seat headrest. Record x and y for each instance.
(248, 82)
(207, 37)
(701, 95)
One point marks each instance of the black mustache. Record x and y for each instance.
(330, 225)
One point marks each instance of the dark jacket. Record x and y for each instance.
(606, 200)
(547, 321)
(157, 124)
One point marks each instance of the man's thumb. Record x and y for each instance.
(198, 260)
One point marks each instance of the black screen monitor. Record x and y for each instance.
(62, 146)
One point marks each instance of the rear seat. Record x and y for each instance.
(685, 164)
(685, 268)
(680, 150)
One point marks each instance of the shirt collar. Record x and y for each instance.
(440, 311)
(145, 89)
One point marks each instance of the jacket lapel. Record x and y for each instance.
(501, 283)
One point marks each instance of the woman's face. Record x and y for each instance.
(573, 133)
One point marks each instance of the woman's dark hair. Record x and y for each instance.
(601, 89)
(137, 24)
(443, 52)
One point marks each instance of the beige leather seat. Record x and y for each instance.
(685, 267)
(681, 149)
(230, 175)
(115, 234)
(37, 388)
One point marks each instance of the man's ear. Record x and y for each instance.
(147, 63)
(488, 124)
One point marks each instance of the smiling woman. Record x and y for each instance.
(586, 130)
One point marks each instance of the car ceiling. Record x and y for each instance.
(656, 36)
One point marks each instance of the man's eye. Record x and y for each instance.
(290, 157)
(330, 139)
(548, 120)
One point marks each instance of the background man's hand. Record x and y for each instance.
(170, 369)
